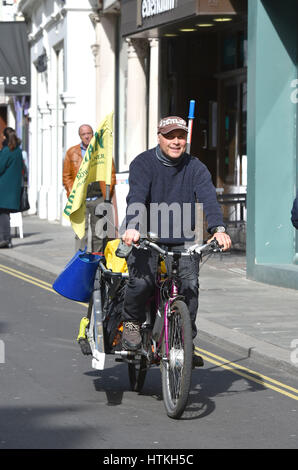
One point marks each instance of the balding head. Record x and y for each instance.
(86, 134)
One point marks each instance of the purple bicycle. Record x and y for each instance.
(166, 334)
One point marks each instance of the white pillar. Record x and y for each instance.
(70, 132)
(70, 120)
(79, 76)
(60, 188)
(56, 134)
(52, 189)
(136, 114)
(104, 57)
(33, 164)
(45, 162)
(32, 154)
(96, 52)
(122, 84)
(59, 150)
(153, 93)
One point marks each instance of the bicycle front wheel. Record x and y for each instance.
(176, 366)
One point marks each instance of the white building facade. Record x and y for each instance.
(62, 35)
(81, 70)
(7, 106)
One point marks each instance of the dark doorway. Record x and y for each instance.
(210, 68)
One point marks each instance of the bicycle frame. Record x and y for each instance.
(174, 294)
(167, 306)
(163, 334)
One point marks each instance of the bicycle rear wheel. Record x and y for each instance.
(177, 368)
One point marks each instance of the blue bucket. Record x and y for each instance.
(77, 279)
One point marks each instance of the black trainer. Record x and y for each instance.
(131, 336)
(5, 244)
(197, 361)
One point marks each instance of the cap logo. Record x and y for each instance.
(171, 121)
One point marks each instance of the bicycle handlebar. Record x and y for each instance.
(202, 250)
(212, 247)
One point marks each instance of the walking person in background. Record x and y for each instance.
(96, 191)
(11, 168)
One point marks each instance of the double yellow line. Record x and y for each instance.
(26, 277)
(31, 279)
(244, 372)
(249, 374)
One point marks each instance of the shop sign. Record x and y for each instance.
(141, 15)
(14, 59)
(156, 7)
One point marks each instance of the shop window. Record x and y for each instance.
(234, 51)
(230, 121)
(234, 123)
(229, 56)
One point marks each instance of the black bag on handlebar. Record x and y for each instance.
(123, 250)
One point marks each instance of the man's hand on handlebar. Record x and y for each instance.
(223, 240)
(131, 236)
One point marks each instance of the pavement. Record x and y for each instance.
(255, 319)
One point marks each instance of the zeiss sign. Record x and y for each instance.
(14, 59)
(13, 80)
(155, 7)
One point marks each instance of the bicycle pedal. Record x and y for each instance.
(125, 354)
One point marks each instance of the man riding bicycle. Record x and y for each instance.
(166, 175)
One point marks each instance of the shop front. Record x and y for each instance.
(202, 56)
(272, 242)
(238, 60)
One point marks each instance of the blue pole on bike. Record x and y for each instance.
(191, 116)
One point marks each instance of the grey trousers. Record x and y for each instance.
(90, 219)
(4, 226)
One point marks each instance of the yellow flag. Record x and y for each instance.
(96, 166)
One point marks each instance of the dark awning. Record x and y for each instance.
(14, 59)
(155, 18)
(138, 16)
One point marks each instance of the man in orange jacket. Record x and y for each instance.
(96, 191)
